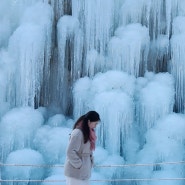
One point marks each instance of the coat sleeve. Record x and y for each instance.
(74, 147)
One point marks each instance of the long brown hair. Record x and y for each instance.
(83, 121)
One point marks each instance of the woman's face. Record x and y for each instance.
(92, 124)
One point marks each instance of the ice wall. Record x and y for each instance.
(108, 37)
(91, 49)
(111, 95)
(119, 57)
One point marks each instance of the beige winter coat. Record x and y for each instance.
(79, 157)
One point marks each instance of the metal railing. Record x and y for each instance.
(98, 166)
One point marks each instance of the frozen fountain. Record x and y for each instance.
(62, 58)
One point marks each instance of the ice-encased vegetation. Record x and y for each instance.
(123, 58)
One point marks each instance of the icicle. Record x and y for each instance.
(128, 50)
(157, 18)
(61, 7)
(155, 100)
(117, 116)
(94, 62)
(158, 54)
(92, 15)
(177, 61)
(30, 48)
(69, 59)
(162, 14)
(135, 11)
(25, 57)
(80, 97)
(154, 14)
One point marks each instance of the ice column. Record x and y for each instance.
(177, 61)
(155, 99)
(128, 49)
(69, 66)
(116, 109)
(81, 95)
(30, 48)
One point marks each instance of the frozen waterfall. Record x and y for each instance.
(122, 58)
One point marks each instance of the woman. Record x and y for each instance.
(79, 159)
